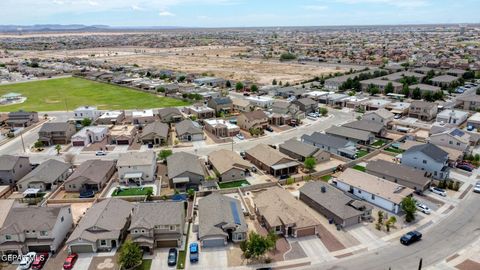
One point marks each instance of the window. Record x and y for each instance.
(103, 242)
(424, 161)
(135, 231)
(143, 231)
(61, 220)
(43, 233)
(359, 192)
(8, 237)
(373, 196)
(172, 227)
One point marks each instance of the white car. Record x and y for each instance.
(27, 260)
(100, 153)
(423, 208)
(313, 115)
(240, 136)
(438, 191)
(476, 189)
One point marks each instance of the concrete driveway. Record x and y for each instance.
(366, 237)
(210, 258)
(160, 259)
(313, 248)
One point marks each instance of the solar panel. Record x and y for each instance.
(457, 132)
(236, 217)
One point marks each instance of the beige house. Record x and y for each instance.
(271, 161)
(228, 165)
(157, 224)
(281, 213)
(241, 105)
(254, 119)
(423, 110)
(91, 175)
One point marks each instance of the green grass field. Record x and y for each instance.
(57, 94)
(359, 168)
(132, 192)
(394, 150)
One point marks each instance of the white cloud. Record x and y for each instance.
(136, 7)
(315, 7)
(165, 13)
(397, 3)
(59, 2)
(93, 3)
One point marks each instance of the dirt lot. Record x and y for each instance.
(222, 61)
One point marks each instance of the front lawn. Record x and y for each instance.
(138, 191)
(146, 265)
(359, 168)
(234, 184)
(378, 143)
(60, 94)
(394, 150)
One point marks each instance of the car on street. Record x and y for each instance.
(27, 260)
(172, 257)
(100, 153)
(70, 261)
(269, 129)
(423, 208)
(438, 191)
(476, 189)
(40, 261)
(410, 238)
(193, 252)
(240, 136)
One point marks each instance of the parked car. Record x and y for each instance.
(476, 189)
(70, 261)
(193, 252)
(397, 116)
(438, 191)
(27, 260)
(423, 208)
(240, 136)
(467, 164)
(464, 167)
(269, 129)
(172, 257)
(410, 238)
(39, 261)
(246, 94)
(100, 153)
(312, 115)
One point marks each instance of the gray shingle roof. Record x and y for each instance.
(181, 162)
(333, 199)
(188, 127)
(295, 146)
(398, 171)
(93, 170)
(21, 219)
(349, 133)
(7, 162)
(430, 150)
(365, 125)
(147, 215)
(215, 212)
(157, 127)
(325, 139)
(108, 216)
(46, 172)
(54, 127)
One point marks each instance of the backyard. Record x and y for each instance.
(69, 93)
(234, 184)
(394, 150)
(137, 191)
(359, 168)
(361, 153)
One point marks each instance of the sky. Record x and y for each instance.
(238, 13)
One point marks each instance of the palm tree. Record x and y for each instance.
(58, 148)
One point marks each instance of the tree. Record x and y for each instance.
(389, 88)
(58, 148)
(390, 223)
(239, 86)
(416, 94)
(373, 90)
(406, 91)
(86, 122)
(427, 96)
(149, 194)
(45, 116)
(228, 84)
(323, 111)
(181, 78)
(191, 193)
(287, 57)
(164, 154)
(257, 245)
(409, 207)
(38, 144)
(254, 88)
(130, 255)
(310, 163)
(274, 82)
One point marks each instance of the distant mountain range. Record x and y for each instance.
(75, 27)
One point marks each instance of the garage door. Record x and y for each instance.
(167, 243)
(82, 249)
(79, 143)
(43, 248)
(123, 142)
(306, 232)
(219, 242)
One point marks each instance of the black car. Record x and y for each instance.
(410, 238)
(269, 129)
(172, 257)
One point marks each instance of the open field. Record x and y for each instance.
(222, 61)
(59, 94)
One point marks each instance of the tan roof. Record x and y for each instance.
(267, 155)
(21, 219)
(5, 206)
(93, 170)
(224, 160)
(136, 158)
(241, 102)
(374, 185)
(279, 207)
(255, 115)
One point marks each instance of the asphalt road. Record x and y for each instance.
(439, 242)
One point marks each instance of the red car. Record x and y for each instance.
(70, 261)
(39, 261)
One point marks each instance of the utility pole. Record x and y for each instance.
(23, 143)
